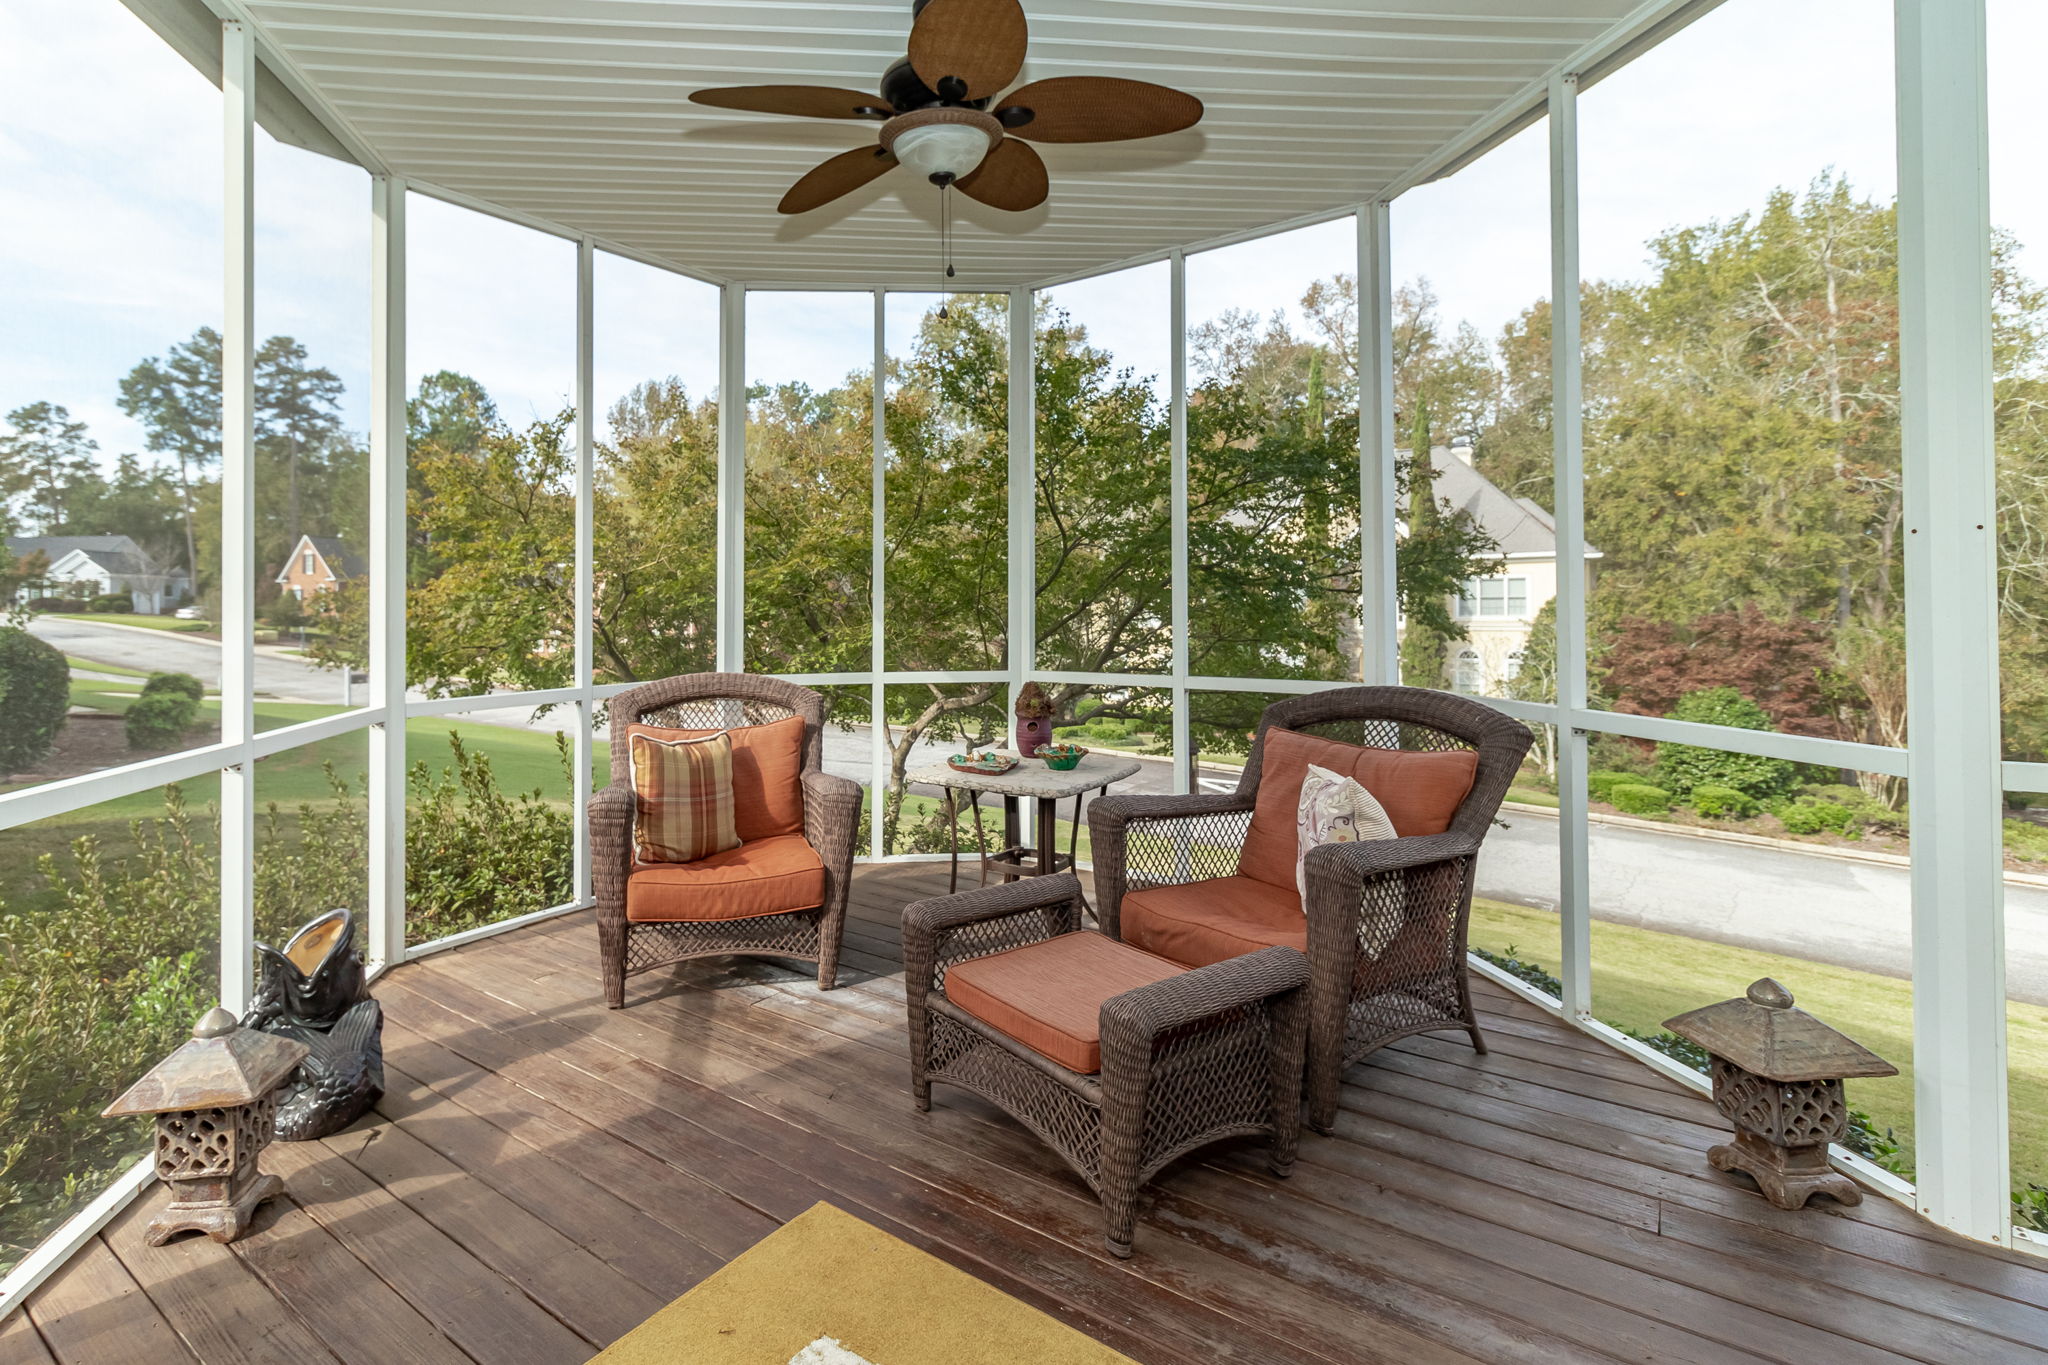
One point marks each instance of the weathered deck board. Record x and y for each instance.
(544, 1172)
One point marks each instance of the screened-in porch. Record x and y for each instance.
(436, 375)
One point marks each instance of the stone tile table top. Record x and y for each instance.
(1031, 777)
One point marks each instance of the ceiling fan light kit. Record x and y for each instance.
(944, 144)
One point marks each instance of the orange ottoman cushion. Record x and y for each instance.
(767, 773)
(763, 877)
(1420, 792)
(1048, 996)
(1213, 921)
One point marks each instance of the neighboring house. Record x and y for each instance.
(1497, 612)
(317, 563)
(99, 566)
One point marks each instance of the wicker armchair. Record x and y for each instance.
(831, 813)
(1386, 920)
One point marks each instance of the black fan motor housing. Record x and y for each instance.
(905, 91)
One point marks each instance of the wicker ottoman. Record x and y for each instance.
(1119, 1060)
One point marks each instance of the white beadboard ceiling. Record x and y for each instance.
(576, 112)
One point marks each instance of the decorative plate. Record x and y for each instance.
(989, 764)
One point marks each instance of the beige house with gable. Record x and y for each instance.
(1499, 611)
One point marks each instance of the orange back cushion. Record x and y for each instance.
(767, 774)
(1420, 793)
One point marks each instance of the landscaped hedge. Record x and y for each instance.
(158, 720)
(1601, 785)
(1637, 798)
(109, 603)
(1722, 803)
(181, 684)
(35, 690)
(1682, 767)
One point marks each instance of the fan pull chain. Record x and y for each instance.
(945, 244)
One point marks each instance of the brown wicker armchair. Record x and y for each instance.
(1386, 921)
(629, 942)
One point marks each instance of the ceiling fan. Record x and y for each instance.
(942, 119)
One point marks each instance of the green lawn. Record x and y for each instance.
(122, 618)
(1642, 977)
(89, 666)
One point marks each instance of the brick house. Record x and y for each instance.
(316, 564)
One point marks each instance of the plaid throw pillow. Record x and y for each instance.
(682, 798)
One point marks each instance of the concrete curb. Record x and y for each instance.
(1729, 836)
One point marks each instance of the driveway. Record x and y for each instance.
(277, 675)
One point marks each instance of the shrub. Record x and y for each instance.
(180, 684)
(1682, 767)
(2025, 839)
(1514, 965)
(1812, 815)
(112, 602)
(1866, 810)
(1722, 803)
(1636, 798)
(1601, 785)
(475, 854)
(35, 689)
(159, 720)
(60, 605)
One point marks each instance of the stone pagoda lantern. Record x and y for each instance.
(215, 1104)
(1778, 1074)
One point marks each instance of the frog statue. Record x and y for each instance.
(316, 992)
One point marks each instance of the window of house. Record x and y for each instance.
(1466, 674)
(306, 562)
(1502, 597)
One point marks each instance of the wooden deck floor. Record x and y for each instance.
(544, 1174)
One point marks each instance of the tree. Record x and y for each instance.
(177, 399)
(1785, 667)
(297, 412)
(44, 461)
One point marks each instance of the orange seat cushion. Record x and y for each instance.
(1420, 792)
(761, 877)
(767, 773)
(1048, 996)
(1213, 921)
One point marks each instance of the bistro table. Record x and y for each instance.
(1031, 777)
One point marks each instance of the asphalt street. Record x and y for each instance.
(278, 675)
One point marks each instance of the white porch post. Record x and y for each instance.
(586, 512)
(1568, 469)
(878, 512)
(238, 516)
(1952, 617)
(1177, 498)
(388, 457)
(1379, 631)
(732, 478)
(1023, 492)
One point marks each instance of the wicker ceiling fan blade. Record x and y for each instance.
(1098, 109)
(1010, 177)
(979, 43)
(804, 101)
(842, 174)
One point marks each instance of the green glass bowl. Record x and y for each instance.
(1063, 762)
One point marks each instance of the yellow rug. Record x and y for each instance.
(827, 1274)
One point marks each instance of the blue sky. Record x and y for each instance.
(110, 247)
